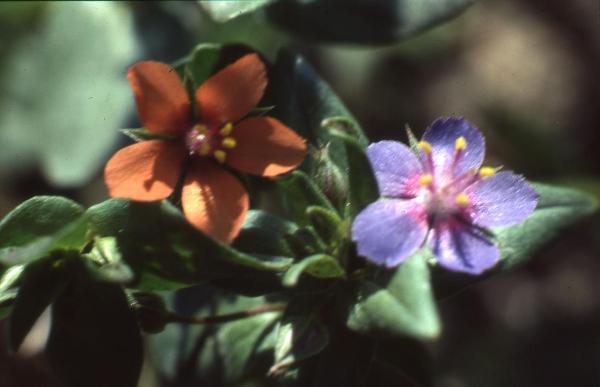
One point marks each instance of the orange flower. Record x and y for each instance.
(213, 199)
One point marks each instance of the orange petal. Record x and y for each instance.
(265, 147)
(231, 93)
(145, 171)
(214, 201)
(162, 102)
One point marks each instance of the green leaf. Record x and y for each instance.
(263, 233)
(319, 266)
(155, 239)
(395, 302)
(307, 104)
(222, 11)
(363, 186)
(94, 338)
(326, 223)
(557, 209)
(106, 263)
(298, 337)
(222, 354)
(9, 289)
(143, 134)
(64, 91)
(208, 58)
(39, 225)
(303, 100)
(41, 283)
(371, 22)
(305, 241)
(300, 193)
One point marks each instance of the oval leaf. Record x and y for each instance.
(94, 338)
(396, 303)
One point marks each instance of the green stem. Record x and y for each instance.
(223, 318)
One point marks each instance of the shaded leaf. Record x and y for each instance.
(395, 302)
(362, 183)
(263, 233)
(300, 193)
(326, 223)
(379, 21)
(94, 338)
(299, 336)
(215, 355)
(156, 240)
(40, 284)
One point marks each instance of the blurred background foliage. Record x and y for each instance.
(525, 71)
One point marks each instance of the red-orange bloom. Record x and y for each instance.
(213, 199)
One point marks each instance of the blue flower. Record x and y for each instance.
(440, 195)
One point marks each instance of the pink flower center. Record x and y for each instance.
(442, 195)
(210, 141)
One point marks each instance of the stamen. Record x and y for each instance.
(204, 147)
(460, 143)
(229, 143)
(425, 180)
(201, 129)
(487, 171)
(425, 147)
(226, 129)
(462, 200)
(220, 155)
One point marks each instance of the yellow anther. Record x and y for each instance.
(220, 156)
(201, 129)
(204, 148)
(425, 179)
(460, 143)
(487, 171)
(462, 200)
(424, 146)
(226, 129)
(229, 143)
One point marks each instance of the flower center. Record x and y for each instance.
(210, 141)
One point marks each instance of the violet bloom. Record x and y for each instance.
(440, 195)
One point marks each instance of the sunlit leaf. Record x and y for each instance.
(395, 302)
(223, 11)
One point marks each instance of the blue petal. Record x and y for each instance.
(442, 135)
(389, 230)
(501, 200)
(460, 247)
(395, 167)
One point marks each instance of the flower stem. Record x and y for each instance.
(223, 318)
